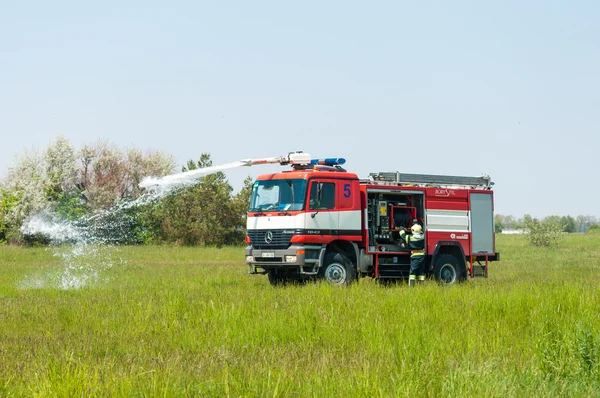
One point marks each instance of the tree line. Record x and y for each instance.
(79, 183)
(567, 224)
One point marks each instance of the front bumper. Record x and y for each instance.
(305, 259)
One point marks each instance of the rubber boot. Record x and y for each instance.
(411, 280)
(421, 279)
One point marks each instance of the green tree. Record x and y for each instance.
(204, 214)
(498, 223)
(569, 224)
(7, 202)
(240, 207)
(70, 205)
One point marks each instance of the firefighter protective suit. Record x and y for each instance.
(416, 243)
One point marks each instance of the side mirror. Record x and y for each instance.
(319, 191)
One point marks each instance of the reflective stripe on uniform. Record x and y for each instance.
(416, 242)
(404, 236)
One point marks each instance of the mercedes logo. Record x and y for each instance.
(269, 237)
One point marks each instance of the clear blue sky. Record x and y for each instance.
(510, 89)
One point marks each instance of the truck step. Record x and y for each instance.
(393, 273)
(479, 272)
(479, 269)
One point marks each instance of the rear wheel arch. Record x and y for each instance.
(448, 258)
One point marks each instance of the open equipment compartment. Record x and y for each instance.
(389, 211)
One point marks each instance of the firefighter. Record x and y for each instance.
(416, 244)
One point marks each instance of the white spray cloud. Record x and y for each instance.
(58, 231)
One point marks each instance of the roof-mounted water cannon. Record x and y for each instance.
(293, 158)
(298, 158)
(300, 161)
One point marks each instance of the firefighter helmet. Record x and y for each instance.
(416, 229)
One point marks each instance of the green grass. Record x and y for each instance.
(174, 321)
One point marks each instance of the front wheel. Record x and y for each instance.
(279, 277)
(275, 279)
(448, 270)
(338, 270)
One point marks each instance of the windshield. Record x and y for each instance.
(278, 195)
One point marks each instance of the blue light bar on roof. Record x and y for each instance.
(328, 161)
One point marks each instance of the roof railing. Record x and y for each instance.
(432, 180)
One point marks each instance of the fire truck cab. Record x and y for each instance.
(318, 221)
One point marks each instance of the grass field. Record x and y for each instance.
(174, 321)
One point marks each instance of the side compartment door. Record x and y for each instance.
(482, 223)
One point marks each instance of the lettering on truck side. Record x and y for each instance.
(445, 192)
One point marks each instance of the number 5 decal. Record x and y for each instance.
(347, 191)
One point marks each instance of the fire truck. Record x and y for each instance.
(319, 221)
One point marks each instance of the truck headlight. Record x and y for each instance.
(290, 259)
(249, 259)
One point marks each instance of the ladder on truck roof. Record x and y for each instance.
(483, 181)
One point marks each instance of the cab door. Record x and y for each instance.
(322, 217)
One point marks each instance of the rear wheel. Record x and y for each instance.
(448, 270)
(338, 270)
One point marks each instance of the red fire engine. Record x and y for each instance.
(319, 221)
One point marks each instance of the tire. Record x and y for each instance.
(338, 270)
(278, 277)
(448, 270)
(275, 279)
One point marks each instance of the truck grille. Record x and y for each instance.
(276, 239)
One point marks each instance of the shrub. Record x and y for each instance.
(544, 233)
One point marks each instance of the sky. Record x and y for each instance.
(510, 89)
